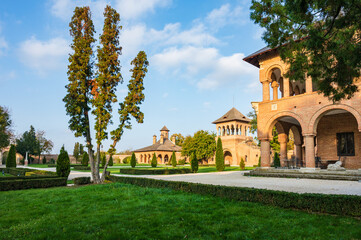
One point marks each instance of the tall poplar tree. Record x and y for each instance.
(80, 74)
(100, 90)
(219, 155)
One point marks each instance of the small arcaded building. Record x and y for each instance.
(163, 149)
(324, 131)
(233, 129)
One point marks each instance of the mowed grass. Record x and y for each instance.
(121, 211)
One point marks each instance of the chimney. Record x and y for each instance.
(161, 139)
(173, 139)
(154, 139)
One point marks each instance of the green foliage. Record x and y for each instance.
(85, 159)
(44, 160)
(173, 159)
(253, 116)
(275, 145)
(154, 161)
(181, 161)
(52, 161)
(43, 144)
(103, 158)
(76, 151)
(81, 168)
(166, 171)
(133, 161)
(126, 160)
(311, 202)
(27, 143)
(179, 139)
(259, 161)
(194, 163)
(63, 164)
(110, 163)
(242, 165)
(11, 158)
(276, 160)
(203, 144)
(5, 124)
(219, 155)
(82, 180)
(18, 184)
(320, 38)
(5, 156)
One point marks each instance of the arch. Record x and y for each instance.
(272, 121)
(166, 158)
(297, 90)
(297, 135)
(160, 159)
(228, 157)
(312, 127)
(149, 157)
(270, 71)
(141, 157)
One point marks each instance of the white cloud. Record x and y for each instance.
(205, 64)
(132, 9)
(44, 55)
(224, 15)
(62, 8)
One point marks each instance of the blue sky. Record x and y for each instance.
(195, 51)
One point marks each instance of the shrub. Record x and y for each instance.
(81, 168)
(52, 161)
(276, 160)
(194, 163)
(126, 160)
(44, 160)
(133, 161)
(166, 171)
(82, 180)
(18, 184)
(63, 164)
(110, 161)
(326, 203)
(219, 155)
(11, 158)
(85, 159)
(103, 159)
(181, 162)
(174, 159)
(154, 161)
(242, 165)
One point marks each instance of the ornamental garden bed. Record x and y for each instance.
(164, 171)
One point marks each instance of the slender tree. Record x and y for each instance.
(43, 144)
(194, 163)
(174, 159)
(111, 163)
(76, 151)
(63, 164)
(11, 158)
(133, 161)
(219, 155)
(85, 159)
(154, 161)
(242, 165)
(27, 143)
(80, 75)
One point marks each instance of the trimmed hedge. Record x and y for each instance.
(19, 184)
(82, 180)
(16, 171)
(71, 165)
(25, 177)
(349, 205)
(81, 168)
(154, 171)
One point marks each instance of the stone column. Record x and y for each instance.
(265, 153)
(310, 150)
(275, 86)
(286, 87)
(308, 84)
(298, 152)
(266, 93)
(282, 139)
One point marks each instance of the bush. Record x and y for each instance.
(126, 160)
(219, 155)
(325, 203)
(18, 184)
(81, 168)
(103, 158)
(52, 161)
(11, 158)
(39, 173)
(110, 163)
(82, 180)
(154, 171)
(85, 159)
(174, 159)
(181, 162)
(194, 163)
(5, 155)
(242, 165)
(154, 161)
(63, 164)
(133, 161)
(276, 160)
(44, 160)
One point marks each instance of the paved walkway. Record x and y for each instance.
(237, 179)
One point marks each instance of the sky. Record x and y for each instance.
(195, 75)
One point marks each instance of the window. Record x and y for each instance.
(345, 144)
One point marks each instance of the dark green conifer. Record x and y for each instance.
(219, 155)
(154, 161)
(194, 163)
(63, 164)
(133, 161)
(11, 158)
(174, 159)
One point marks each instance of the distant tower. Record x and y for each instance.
(164, 132)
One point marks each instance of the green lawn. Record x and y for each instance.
(6, 175)
(38, 165)
(120, 211)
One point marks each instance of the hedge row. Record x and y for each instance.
(349, 205)
(32, 183)
(16, 171)
(25, 177)
(81, 168)
(212, 165)
(82, 180)
(71, 165)
(154, 171)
